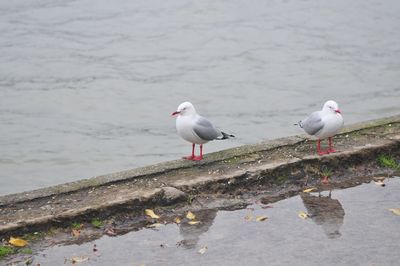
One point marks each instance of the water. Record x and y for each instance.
(87, 87)
(351, 227)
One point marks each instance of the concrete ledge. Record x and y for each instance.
(269, 163)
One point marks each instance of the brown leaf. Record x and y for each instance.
(75, 232)
(177, 220)
(267, 207)
(110, 232)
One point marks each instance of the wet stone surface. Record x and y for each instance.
(351, 226)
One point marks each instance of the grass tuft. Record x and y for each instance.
(6, 250)
(96, 222)
(388, 161)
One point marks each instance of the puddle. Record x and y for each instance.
(346, 227)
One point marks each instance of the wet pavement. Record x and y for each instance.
(345, 227)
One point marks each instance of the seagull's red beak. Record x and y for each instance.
(338, 111)
(175, 113)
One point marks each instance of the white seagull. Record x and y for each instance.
(196, 129)
(324, 124)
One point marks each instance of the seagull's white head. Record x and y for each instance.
(331, 106)
(185, 108)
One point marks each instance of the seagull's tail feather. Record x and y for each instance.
(225, 136)
(299, 124)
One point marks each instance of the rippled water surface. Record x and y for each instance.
(87, 87)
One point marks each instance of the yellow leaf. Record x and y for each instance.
(303, 215)
(395, 211)
(177, 220)
(308, 190)
(379, 183)
(75, 232)
(79, 259)
(379, 178)
(190, 216)
(17, 242)
(193, 222)
(261, 218)
(203, 250)
(155, 225)
(248, 217)
(151, 213)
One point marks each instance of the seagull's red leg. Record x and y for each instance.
(319, 148)
(190, 157)
(201, 154)
(331, 149)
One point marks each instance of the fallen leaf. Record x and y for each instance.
(308, 190)
(379, 178)
(248, 217)
(151, 213)
(303, 215)
(193, 222)
(380, 183)
(261, 218)
(203, 250)
(110, 232)
(395, 211)
(75, 232)
(155, 225)
(177, 220)
(190, 216)
(17, 242)
(79, 259)
(267, 207)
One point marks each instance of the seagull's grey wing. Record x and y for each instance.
(205, 130)
(313, 123)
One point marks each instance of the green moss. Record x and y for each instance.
(388, 161)
(6, 250)
(76, 225)
(97, 222)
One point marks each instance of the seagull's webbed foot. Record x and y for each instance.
(197, 158)
(323, 152)
(190, 157)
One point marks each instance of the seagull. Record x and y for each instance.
(196, 129)
(324, 124)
